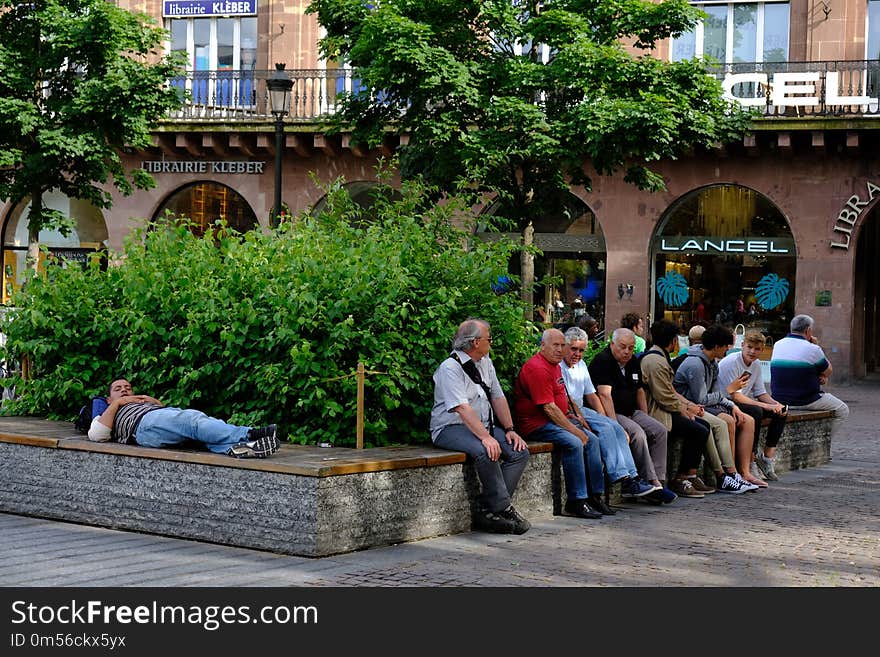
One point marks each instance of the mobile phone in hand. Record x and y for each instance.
(747, 375)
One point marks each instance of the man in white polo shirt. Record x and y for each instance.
(799, 369)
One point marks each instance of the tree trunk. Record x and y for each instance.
(35, 221)
(527, 271)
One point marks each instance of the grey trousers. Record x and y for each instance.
(498, 479)
(647, 444)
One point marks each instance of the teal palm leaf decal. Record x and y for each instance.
(771, 291)
(673, 289)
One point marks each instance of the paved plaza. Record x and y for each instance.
(816, 527)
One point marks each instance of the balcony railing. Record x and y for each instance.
(782, 89)
(242, 95)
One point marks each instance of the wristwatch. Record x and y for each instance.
(508, 430)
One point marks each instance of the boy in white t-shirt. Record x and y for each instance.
(753, 399)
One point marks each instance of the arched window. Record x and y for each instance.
(203, 203)
(88, 235)
(573, 249)
(724, 253)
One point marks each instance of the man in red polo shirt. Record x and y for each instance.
(544, 412)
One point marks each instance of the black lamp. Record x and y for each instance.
(279, 86)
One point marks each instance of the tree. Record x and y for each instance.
(512, 97)
(270, 326)
(80, 80)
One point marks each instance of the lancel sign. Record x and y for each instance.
(766, 246)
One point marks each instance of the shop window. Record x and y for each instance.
(88, 236)
(204, 203)
(573, 259)
(725, 254)
(737, 32)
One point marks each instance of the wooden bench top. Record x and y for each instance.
(305, 460)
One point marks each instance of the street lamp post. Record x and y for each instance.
(279, 86)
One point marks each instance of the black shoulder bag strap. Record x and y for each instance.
(470, 368)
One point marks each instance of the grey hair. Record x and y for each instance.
(467, 334)
(575, 334)
(622, 333)
(800, 323)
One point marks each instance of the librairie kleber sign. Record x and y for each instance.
(179, 8)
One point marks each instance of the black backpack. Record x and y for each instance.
(677, 361)
(87, 412)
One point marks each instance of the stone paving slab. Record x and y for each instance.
(815, 527)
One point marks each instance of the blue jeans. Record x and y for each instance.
(498, 479)
(613, 446)
(170, 426)
(578, 460)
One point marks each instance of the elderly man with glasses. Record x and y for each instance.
(471, 415)
(613, 439)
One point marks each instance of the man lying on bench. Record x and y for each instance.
(143, 420)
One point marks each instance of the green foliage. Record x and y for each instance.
(487, 109)
(269, 327)
(80, 80)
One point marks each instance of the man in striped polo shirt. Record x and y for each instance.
(799, 369)
(145, 421)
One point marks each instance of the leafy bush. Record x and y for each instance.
(268, 327)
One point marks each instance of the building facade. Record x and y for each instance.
(786, 222)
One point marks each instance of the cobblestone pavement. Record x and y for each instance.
(816, 527)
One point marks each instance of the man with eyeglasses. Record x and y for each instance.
(471, 415)
(613, 441)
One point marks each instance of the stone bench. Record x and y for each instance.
(305, 500)
(805, 443)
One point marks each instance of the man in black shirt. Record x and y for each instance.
(618, 381)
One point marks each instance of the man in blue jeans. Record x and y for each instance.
(144, 420)
(545, 412)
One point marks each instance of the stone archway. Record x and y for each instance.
(866, 298)
(724, 253)
(362, 193)
(89, 234)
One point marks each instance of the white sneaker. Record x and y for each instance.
(748, 485)
(730, 485)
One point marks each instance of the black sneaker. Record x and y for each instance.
(489, 521)
(521, 525)
(580, 509)
(598, 504)
(261, 443)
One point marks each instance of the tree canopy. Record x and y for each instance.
(514, 96)
(80, 80)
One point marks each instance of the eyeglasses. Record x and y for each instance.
(577, 350)
(489, 339)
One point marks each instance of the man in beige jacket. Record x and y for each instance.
(679, 416)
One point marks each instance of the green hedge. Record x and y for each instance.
(266, 327)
